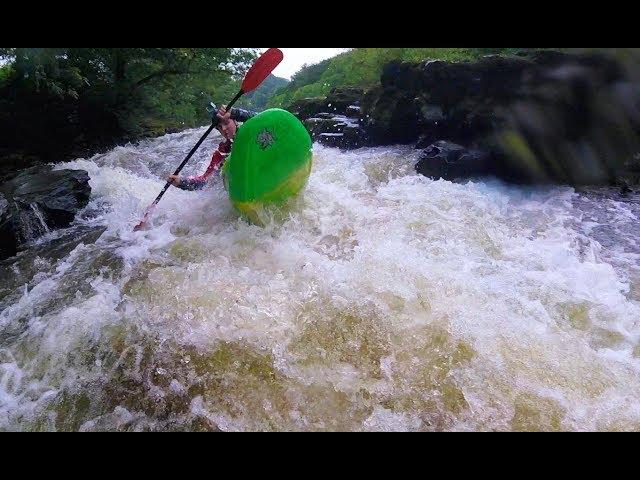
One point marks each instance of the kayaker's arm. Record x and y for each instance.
(242, 115)
(226, 125)
(197, 182)
(237, 114)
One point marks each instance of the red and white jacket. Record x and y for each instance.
(197, 182)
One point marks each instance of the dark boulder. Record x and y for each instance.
(553, 117)
(451, 161)
(39, 200)
(390, 116)
(353, 111)
(308, 107)
(339, 99)
(316, 126)
(351, 137)
(335, 103)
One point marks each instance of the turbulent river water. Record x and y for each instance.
(376, 300)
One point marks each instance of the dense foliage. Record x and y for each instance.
(55, 102)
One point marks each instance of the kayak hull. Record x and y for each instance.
(270, 162)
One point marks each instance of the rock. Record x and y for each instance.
(391, 116)
(401, 75)
(451, 161)
(339, 99)
(308, 107)
(39, 200)
(607, 68)
(326, 130)
(551, 118)
(437, 99)
(335, 140)
(20, 270)
(327, 118)
(8, 237)
(433, 124)
(424, 141)
(352, 136)
(353, 111)
(335, 103)
(316, 126)
(431, 115)
(625, 188)
(324, 115)
(13, 161)
(631, 173)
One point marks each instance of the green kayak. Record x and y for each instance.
(270, 162)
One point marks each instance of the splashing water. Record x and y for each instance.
(376, 300)
(32, 224)
(40, 217)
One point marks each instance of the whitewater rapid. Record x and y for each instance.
(376, 300)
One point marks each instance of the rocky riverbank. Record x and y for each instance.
(548, 118)
(36, 201)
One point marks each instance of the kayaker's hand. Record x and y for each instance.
(226, 127)
(223, 115)
(174, 180)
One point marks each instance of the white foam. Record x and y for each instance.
(373, 268)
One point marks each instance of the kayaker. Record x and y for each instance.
(227, 126)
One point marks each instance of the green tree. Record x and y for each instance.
(95, 96)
